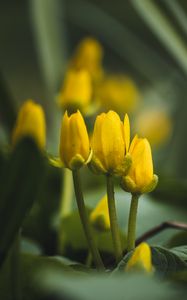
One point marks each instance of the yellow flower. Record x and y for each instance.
(155, 124)
(74, 141)
(109, 144)
(118, 93)
(99, 217)
(88, 55)
(140, 259)
(30, 122)
(140, 178)
(76, 91)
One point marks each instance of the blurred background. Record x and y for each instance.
(143, 47)
(145, 40)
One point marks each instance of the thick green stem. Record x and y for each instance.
(66, 198)
(113, 219)
(85, 221)
(132, 223)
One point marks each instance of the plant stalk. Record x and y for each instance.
(132, 223)
(113, 219)
(66, 198)
(85, 221)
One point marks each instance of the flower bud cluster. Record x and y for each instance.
(108, 151)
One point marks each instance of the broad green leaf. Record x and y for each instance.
(6, 278)
(166, 262)
(30, 268)
(181, 252)
(74, 264)
(39, 225)
(105, 287)
(33, 269)
(22, 178)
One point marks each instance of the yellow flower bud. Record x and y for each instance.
(74, 141)
(118, 93)
(140, 178)
(88, 55)
(76, 91)
(30, 122)
(108, 145)
(99, 217)
(140, 259)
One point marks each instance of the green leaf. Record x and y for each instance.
(74, 264)
(104, 287)
(22, 178)
(165, 262)
(33, 269)
(180, 252)
(40, 225)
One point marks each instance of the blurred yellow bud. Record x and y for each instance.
(88, 55)
(76, 91)
(74, 141)
(99, 217)
(140, 259)
(155, 124)
(118, 93)
(109, 146)
(140, 178)
(30, 122)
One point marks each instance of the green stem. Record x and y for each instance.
(132, 223)
(67, 189)
(113, 219)
(85, 221)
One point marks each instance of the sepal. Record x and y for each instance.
(149, 188)
(96, 166)
(123, 169)
(128, 185)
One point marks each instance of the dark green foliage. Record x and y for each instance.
(21, 179)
